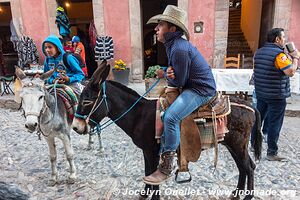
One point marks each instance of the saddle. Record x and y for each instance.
(193, 137)
(69, 97)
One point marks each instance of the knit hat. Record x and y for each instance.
(173, 15)
(61, 9)
(75, 39)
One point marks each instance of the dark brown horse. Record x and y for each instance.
(101, 98)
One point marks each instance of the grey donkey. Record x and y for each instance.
(47, 114)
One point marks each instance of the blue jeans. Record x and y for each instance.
(184, 105)
(272, 112)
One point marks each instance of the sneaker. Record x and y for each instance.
(276, 158)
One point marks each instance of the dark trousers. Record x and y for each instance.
(272, 113)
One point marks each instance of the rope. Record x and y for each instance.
(109, 122)
(100, 127)
(214, 118)
(242, 105)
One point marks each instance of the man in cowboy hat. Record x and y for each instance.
(187, 70)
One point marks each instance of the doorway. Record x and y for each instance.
(80, 23)
(8, 55)
(154, 52)
(267, 20)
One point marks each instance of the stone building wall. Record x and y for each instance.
(221, 32)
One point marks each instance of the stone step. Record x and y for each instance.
(235, 33)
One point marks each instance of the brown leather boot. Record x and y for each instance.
(163, 171)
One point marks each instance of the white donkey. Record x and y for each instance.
(47, 114)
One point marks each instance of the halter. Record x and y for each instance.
(38, 115)
(99, 127)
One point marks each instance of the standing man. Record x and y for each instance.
(187, 70)
(79, 49)
(272, 69)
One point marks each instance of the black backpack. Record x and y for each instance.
(77, 56)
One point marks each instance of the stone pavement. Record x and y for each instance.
(117, 173)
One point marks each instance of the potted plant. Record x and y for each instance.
(150, 79)
(121, 72)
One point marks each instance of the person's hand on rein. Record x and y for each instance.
(160, 73)
(63, 79)
(170, 73)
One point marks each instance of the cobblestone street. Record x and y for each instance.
(118, 172)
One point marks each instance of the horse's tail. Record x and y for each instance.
(257, 140)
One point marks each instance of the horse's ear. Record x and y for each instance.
(99, 74)
(46, 75)
(19, 73)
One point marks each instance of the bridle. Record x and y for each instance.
(99, 127)
(87, 117)
(38, 115)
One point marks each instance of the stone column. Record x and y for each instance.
(221, 32)
(282, 15)
(136, 41)
(51, 9)
(184, 4)
(98, 14)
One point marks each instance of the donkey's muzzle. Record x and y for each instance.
(80, 126)
(31, 126)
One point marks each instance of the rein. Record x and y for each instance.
(99, 127)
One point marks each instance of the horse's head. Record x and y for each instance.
(92, 99)
(32, 94)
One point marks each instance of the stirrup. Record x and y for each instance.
(182, 181)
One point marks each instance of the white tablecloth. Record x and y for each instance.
(295, 83)
(232, 80)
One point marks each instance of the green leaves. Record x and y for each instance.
(151, 72)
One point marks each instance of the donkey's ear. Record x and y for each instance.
(19, 73)
(99, 74)
(46, 75)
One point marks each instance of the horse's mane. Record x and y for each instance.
(124, 88)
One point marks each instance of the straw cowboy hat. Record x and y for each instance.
(173, 15)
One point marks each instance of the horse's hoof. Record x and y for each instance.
(51, 182)
(155, 197)
(234, 197)
(142, 197)
(71, 180)
(101, 150)
(88, 148)
(249, 197)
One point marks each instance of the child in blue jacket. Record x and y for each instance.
(53, 50)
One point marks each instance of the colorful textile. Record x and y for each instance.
(68, 96)
(93, 34)
(104, 49)
(27, 52)
(14, 38)
(62, 22)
